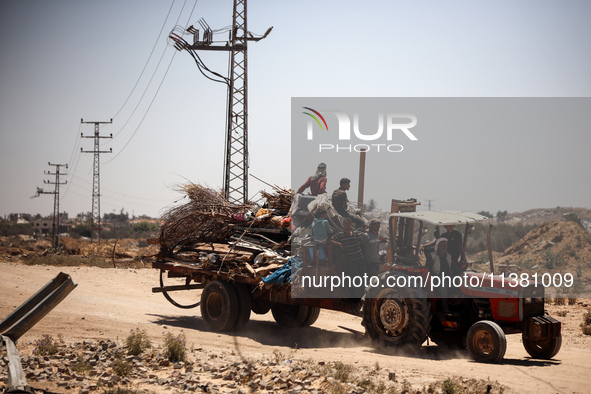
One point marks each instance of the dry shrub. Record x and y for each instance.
(72, 245)
(137, 342)
(342, 371)
(46, 346)
(121, 367)
(586, 324)
(175, 348)
(69, 261)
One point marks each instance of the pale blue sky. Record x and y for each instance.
(66, 60)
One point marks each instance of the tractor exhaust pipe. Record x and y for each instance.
(490, 255)
(361, 179)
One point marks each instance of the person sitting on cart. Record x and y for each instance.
(350, 244)
(340, 202)
(320, 232)
(317, 182)
(339, 197)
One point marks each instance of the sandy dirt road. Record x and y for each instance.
(108, 303)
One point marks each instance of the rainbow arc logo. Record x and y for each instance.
(315, 118)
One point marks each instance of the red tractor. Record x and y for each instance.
(402, 306)
(479, 310)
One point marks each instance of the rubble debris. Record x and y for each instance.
(95, 366)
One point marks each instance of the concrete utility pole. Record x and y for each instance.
(56, 198)
(96, 177)
(236, 158)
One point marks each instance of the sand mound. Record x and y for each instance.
(563, 246)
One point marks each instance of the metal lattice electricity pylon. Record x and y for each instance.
(56, 198)
(95, 218)
(236, 161)
(236, 155)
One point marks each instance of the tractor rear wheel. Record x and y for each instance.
(219, 305)
(397, 317)
(486, 342)
(289, 315)
(543, 349)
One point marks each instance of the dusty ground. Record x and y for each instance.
(108, 303)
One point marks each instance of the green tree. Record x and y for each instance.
(8, 228)
(82, 230)
(502, 216)
(139, 229)
(370, 206)
(486, 213)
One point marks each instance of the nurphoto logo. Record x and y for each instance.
(391, 123)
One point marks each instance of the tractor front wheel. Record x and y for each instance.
(486, 342)
(543, 349)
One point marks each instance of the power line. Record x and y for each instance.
(157, 91)
(119, 193)
(146, 113)
(73, 173)
(76, 144)
(147, 61)
(145, 91)
(153, 74)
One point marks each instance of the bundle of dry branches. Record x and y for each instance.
(204, 219)
(280, 200)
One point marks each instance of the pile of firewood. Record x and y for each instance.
(209, 218)
(280, 200)
(204, 219)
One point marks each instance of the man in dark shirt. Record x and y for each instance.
(455, 246)
(339, 198)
